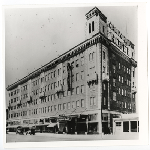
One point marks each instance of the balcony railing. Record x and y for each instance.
(60, 89)
(42, 95)
(19, 103)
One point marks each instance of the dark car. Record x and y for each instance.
(31, 131)
(19, 130)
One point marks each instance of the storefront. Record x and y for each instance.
(126, 124)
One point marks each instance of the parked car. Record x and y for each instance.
(19, 130)
(31, 131)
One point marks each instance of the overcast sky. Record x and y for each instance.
(35, 36)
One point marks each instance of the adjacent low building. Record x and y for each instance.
(82, 90)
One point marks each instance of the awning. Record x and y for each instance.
(42, 124)
(51, 125)
(28, 125)
(13, 126)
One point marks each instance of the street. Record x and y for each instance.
(48, 137)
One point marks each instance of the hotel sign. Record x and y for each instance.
(120, 35)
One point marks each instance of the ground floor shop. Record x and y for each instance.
(82, 123)
(126, 124)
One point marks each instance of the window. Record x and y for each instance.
(127, 51)
(68, 93)
(104, 101)
(64, 69)
(124, 68)
(125, 105)
(122, 91)
(82, 88)
(92, 25)
(94, 101)
(127, 70)
(77, 103)
(77, 90)
(103, 55)
(133, 73)
(64, 106)
(130, 106)
(72, 92)
(54, 73)
(89, 28)
(73, 104)
(45, 79)
(114, 82)
(58, 72)
(51, 86)
(114, 69)
(127, 81)
(104, 86)
(52, 97)
(93, 56)
(114, 96)
(51, 108)
(103, 69)
(82, 61)
(122, 79)
(82, 74)
(133, 95)
(118, 123)
(63, 81)
(90, 57)
(122, 104)
(77, 76)
(82, 102)
(119, 78)
(125, 93)
(51, 74)
(48, 108)
(119, 90)
(77, 63)
(103, 29)
(91, 100)
(45, 109)
(68, 105)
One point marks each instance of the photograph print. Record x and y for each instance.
(71, 73)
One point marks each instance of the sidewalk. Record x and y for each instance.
(89, 137)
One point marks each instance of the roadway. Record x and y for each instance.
(47, 137)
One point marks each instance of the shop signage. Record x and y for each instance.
(69, 78)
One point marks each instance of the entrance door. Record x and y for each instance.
(105, 127)
(71, 126)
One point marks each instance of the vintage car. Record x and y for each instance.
(31, 131)
(19, 130)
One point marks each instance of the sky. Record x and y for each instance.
(35, 36)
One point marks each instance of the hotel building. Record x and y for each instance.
(82, 90)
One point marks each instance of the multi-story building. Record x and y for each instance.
(83, 89)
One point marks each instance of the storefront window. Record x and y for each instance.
(118, 123)
(133, 126)
(126, 126)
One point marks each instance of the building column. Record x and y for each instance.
(129, 126)
(137, 126)
(99, 119)
(86, 125)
